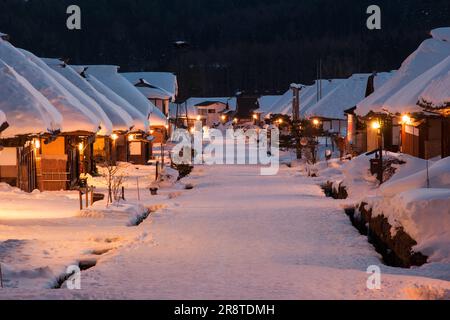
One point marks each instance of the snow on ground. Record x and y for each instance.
(236, 235)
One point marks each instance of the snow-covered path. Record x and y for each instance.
(239, 235)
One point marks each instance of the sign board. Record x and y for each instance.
(8, 157)
(135, 149)
(412, 130)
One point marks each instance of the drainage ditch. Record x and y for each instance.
(397, 251)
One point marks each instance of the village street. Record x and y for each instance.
(239, 235)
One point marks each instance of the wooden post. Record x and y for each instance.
(92, 195)
(1, 276)
(123, 193)
(87, 196)
(138, 191)
(81, 199)
(157, 171)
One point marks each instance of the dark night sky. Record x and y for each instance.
(253, 45)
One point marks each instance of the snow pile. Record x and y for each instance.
(120, 120)
(19, 205)
(438, 175)
(425, 215)
(27, 110)
(391, 96)
(75, 116)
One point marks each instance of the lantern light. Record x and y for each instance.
(199, 118)
(114, 137)
(224, 118)
(81, 146)
(131, 137)
(316, 122)
(376, 125)
(406, 119)
(280, 121)
(192, 130)
(36, 143)
(255, 116)
(235, 120)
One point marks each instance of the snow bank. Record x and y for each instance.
(430, 53)
(425, 216)
(439, 177)
(120, 119)
(27, 110)
(75, 116)
(19, 205)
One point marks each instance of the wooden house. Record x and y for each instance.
(61, 157)
(136, 147)
(161, 88)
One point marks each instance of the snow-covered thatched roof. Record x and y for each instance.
(119, 118)
(25, 108)
(117, 83)
(4, 36)
(197, 101)
(308, 97)
(76, 117)
(437, 94)
(347, 95)
(408, 98)
(2, 117)
(392, 96)
(164, 82)
(140, 121)
(85, 100)
(266, 102)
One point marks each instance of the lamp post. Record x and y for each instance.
(376, 125)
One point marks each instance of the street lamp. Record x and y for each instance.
(406, 119)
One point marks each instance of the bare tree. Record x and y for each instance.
(114, 175)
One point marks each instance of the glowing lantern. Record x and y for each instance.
(406, 119)
(376, 125)
(36, 143)
(114, 137)
(81, 146)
